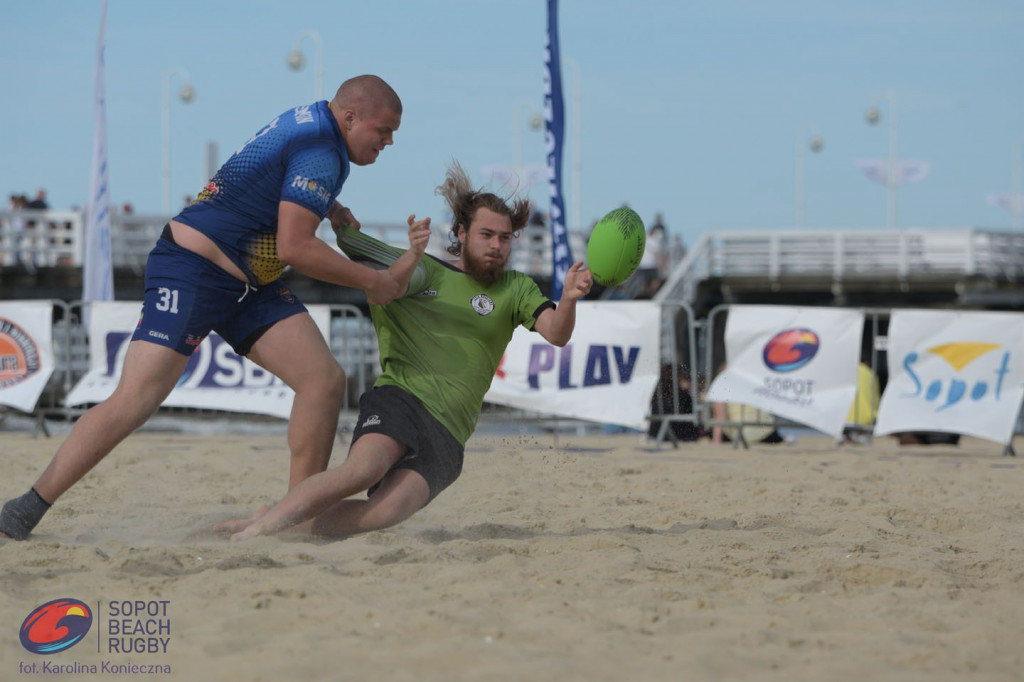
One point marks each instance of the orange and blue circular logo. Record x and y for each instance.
(19, 355)
(56, 626)
(790, 350)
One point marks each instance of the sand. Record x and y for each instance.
(552, 558)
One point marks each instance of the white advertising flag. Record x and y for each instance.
(97, 268)
(1014, 203)
(797, 363)
(954, 372)
(215, 377)
(26, 352)
(606, 373)
(903, 172)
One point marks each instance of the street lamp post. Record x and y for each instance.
(186, 94)
(577, 146)
(1017, 199)
(815, 143)
(296, 60)
(535, 121)
(873, 116)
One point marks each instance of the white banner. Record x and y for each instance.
(26, 352)
(606, 373)
(215, 377)
(797, 363)
(517, 178)
(954, 372)
(1014, 203)
(903, 172)
(97, 268)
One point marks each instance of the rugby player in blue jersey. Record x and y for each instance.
(217, 268)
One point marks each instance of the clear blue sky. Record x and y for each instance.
(691, 109)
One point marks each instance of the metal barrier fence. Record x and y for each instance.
(352, 340)
(873, 355)
(692, 350)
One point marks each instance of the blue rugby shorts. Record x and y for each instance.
(187, 297)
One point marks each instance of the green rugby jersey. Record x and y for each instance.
(443, 340)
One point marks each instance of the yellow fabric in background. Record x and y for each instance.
(864, 410)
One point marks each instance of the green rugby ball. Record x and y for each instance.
(616, 246)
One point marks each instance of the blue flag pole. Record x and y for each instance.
(554, 118)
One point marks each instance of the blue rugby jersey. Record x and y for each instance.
(300, 157)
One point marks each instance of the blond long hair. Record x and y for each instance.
(463, 201)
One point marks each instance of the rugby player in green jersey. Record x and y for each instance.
(440, 345)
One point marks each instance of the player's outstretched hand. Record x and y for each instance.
(578, 282)
(236, 525)
(250, 532)
(419, 233)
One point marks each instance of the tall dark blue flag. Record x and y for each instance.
(554, 117)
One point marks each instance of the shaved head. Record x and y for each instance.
(367, 94)
(368, 113)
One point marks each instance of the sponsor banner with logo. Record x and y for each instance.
(954, 372)
(216, 378)
(796, 363)
(26, 352)
(606, 373)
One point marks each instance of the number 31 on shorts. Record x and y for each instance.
(168, 300)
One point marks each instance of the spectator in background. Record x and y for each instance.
(37, 232)
(864, 411)
(673, 398)
(736, 421)
(536, 218)
(757, 426)
(654, 263)
(16, 204)
(39, 202)
(927, 438)
(678, 252)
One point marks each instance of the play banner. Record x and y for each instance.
(26, 352)
(215, 378)
(606, 373)
(797, 363)
(954, 372)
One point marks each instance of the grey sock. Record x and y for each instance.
(20, 515)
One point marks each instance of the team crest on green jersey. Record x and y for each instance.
(482, 304)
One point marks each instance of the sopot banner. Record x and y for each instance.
(797, 363)
(216, 378)
(606, 373)
(954, 372)
(26, 352)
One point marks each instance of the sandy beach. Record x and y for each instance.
(552, 558)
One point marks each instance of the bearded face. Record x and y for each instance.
(486, 245)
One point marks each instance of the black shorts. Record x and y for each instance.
(431, 450)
